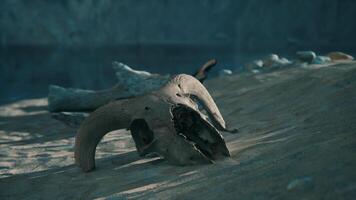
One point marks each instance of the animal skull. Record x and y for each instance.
(167, 122)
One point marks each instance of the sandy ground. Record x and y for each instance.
(297, 140)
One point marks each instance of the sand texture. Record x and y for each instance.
(297, 140)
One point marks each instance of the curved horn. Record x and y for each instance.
(112, 116)
(191, 86)
(202, 73)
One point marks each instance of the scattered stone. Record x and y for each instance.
(273, 60)
(306, 56)
(336, 56)
(256, 64)
(255, 71)
(320, 60)
(225, 72)
(284, 61)
(303, 183)
(270, 60)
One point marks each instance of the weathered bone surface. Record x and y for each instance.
(167, 122)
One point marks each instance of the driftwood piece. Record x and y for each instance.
(130, 83)
(136, 82)
(72, 105)
(73, 99)
(71, 119)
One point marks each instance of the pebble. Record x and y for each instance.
(302, 183)
(254, 65)
(270, 60)
(255, 71)
(273, 60)
(320, 60)
(335, 56)
(306, 56)
(225, 72)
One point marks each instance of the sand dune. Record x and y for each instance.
(297, 140)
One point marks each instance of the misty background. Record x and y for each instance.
(72, 43)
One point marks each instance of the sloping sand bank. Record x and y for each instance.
(297, 140)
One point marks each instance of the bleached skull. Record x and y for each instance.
(167, 122)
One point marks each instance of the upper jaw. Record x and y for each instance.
(199, 133)
(193, 139)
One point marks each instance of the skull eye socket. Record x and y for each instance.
(141, 134)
